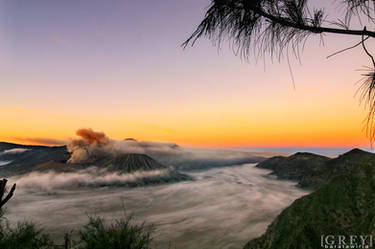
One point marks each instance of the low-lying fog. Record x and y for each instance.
(222, 208)
(2, 163)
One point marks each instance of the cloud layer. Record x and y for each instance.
(91, 177)
(222, 208)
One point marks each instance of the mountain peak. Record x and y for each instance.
(304, 154)
(356, 151)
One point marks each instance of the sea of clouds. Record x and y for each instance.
(221, 208)
(91, 177)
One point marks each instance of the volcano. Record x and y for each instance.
(130, 163)
(127, 163)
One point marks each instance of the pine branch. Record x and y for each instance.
(313, 29)
(346, 49)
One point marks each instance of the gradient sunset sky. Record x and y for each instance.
(118, 67)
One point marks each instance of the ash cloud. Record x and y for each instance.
(91, 143)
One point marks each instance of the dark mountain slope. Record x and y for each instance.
(57, 167)
(129, 163)
(313, 171)
(9, 146)
(126, 163)
(335, 167)
(295, 167)
(24, 162)
(344, 206)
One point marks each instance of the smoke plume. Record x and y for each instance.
(91, 143)
(90, 136)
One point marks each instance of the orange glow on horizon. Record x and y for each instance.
(211, 130)
(315, 115)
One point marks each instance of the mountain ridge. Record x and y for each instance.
(310, 170)
(344, 206)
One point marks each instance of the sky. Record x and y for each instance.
(118, 67)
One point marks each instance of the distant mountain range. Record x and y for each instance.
(29, 159)
(311, 170)
(342, 205)
(25, 158)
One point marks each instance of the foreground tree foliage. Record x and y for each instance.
(277, 27)
(122, 234)
(23, 236)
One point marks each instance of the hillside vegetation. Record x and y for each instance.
(343, 206)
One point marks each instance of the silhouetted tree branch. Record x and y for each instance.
(3, 200)
(270, 26)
